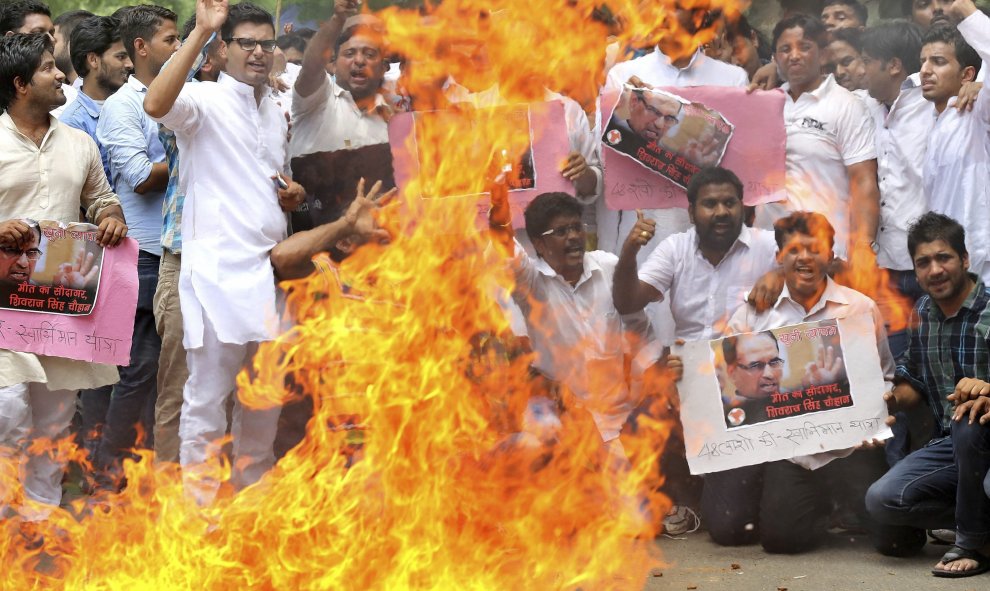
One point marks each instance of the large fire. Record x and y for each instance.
(444, 492)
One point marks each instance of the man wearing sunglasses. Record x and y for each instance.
(232, 137)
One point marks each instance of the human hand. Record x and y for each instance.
(344, 9)
(211, 14)
(642, 232)
(360, 214)
(290, 198)
(575, 167)
(766, 291)
(79, 274)
(635, 82)
(960, 9)
(15, 234)
(968, 389)
(976, 408)
(674, 363)
(111, 231)
(868, 444)
(825, 370)
(966, 99)
(766, 78)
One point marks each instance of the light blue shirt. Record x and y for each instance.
(130, 138)
(83, 114)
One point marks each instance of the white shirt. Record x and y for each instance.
(578, 336)
(957, 167)
(901, 135)
(329, 120)
(828, 129)
(836, 301)
(231, 146)
(702, 296)
(656, 70)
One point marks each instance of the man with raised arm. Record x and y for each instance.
(230, 134)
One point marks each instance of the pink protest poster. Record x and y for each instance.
(64, 295)
(541, 125)
(654, 140)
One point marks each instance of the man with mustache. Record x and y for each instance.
(754, 365)
(17, 264)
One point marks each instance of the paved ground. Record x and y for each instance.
(843, 564)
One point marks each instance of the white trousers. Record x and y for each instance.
(203, 422)
(29, 412)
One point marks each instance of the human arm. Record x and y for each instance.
(111, 227)
(165, 89)
(314, 64)
(293, 194)
(292, 258)
(15, 234)
(864, 203)
(629, 293)
(583, 166)
(765, 78)
(121, 131)
(101, 205)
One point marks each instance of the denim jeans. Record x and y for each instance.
(899, 446)
(133, 398)
(940, 486)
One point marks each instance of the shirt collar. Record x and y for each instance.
(136, 84)
(235, 85)
(745, 238)
(696, 60)
(590, 266)
(7, 122)
(819, 93)
(88, 104)
(381, 106)
(832, 293)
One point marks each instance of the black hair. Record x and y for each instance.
(142, 22)
(13, 15)
(188, 26)
(292, 41)
(935, 226)
(806, 223)
(375, 31)
(305, 32)
(544, 208)
(812, 27)
(712, 175)
(67, 21)
(729, 345)
(852, 37)
(899, 39)
(946, 33)
(20, 57)
(858, 8)
(93, 35)
(245, 12)
(740, 27)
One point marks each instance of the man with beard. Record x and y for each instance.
(103, 64)
(230, 134)
(786, 505)
(48, 171)
(945, 372)
(340, 124)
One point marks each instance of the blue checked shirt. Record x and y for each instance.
(945, 350)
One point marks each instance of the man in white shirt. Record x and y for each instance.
(783, 506)
(230, 134)
(957, 166)
(831, 156)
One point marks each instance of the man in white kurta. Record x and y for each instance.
(232, 137)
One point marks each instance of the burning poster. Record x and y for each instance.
(754, 147)
(782, 393)
(52, 293)
(667, 134)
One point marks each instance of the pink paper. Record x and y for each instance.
(756, 152)
(103, 335)
(550, 149)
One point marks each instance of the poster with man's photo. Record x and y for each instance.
(782, 393)
(64, 295)
(666, 133)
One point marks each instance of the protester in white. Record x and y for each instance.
(831, 154)
(957, 165)
(230, 134)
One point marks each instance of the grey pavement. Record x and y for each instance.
(843, 563)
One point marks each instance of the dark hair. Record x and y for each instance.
(544, 208)
(67, 21)
(853, 37)
(292, 41)
(899, 39)
(740, 27)
(245, 12)
(305, 32)
(858, 9)
(93, 35)
(946, 33)
(142, 22)
(806, 223)
(729, 345)
(376, 32)
(712, 175)
(20, 57)
(13, 15)
(935, 226)
(812, 27)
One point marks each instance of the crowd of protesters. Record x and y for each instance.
(141, 124)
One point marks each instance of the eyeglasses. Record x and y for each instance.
(668, 119)
(248, 44)
(759, 366)
(564, 231)
(32, 254)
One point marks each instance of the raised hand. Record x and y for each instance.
(826, 370)
(642, 232)
(574, 167)
(79, 274)
(344, 9)
(211, 14)
(360, 214)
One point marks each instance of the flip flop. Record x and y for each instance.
(956, 553)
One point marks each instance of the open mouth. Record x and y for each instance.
(18, 277)
(805, 272)
(256, 66)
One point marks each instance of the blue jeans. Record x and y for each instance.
(939, 486)
(906, 284)
(133, 398)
